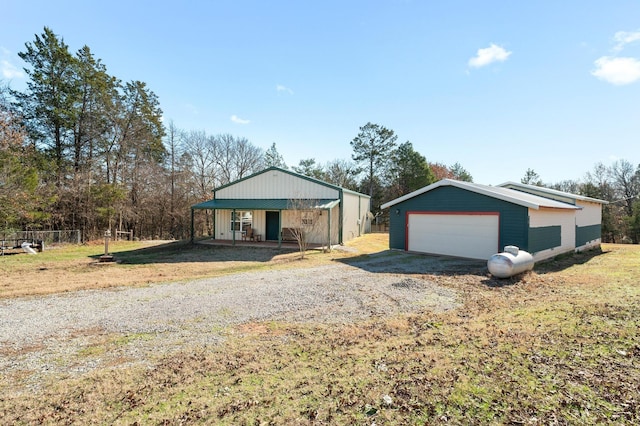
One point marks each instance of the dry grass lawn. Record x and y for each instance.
(559, 345)
(71, 268)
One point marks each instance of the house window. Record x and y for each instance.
(241, 220)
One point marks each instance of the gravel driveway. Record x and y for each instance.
(56, 334)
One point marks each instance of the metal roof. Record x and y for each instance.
(504, 194)
(265, 204)
(549, 193)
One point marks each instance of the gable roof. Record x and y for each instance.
(550, 193)
(298, 175)
(504, 194)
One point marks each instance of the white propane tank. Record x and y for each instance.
(512, 262)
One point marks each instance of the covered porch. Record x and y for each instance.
(272, 222)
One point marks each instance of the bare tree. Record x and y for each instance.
(306, 214)
(343, 173)
(626, 181)
(202, 151)
(236, 157)
(247, 158)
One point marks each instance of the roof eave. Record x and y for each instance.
(553, 192)
(478, 190)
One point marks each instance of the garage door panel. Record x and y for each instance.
(464, 235)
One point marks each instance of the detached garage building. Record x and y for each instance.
(475, 221)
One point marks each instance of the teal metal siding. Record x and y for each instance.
(584, 234)
(514, 219)
(544, 238)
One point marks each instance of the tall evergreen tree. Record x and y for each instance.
(408, 170)
(372, 148)
(531, 178)
(309, 167)
(49, 104)
(272, 158)
(460, 173)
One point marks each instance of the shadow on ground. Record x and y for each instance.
(411, 263)
(564, 261)
(186, 252)
(389, 261)
(556, 264)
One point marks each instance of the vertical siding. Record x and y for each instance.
(335, 225)
(513, 218)
(318, 233)
(260, 222)
(275, 184)
(588, 225)
(591, 214)
(550, 218)
(355, 212)
(223, 223)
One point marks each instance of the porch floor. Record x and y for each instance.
(285, 245)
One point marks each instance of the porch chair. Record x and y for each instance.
(248, 234)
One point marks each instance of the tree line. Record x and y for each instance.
(80, 149)
(619, 185)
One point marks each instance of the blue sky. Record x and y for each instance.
(498, 86)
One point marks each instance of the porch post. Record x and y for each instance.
(233, 231)
(214, 224)
(192, 232)
(329, 229)
(280, 229)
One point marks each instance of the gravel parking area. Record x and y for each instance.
(61, 334)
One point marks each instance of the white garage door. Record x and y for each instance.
(474, 236)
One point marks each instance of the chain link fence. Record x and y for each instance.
(69, 236)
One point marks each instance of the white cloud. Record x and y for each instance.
(489, 55)
(9, 70)
(281, 88)
(622, 38)
(618, 71)
(239, 120)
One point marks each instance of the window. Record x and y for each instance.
(241, 220)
